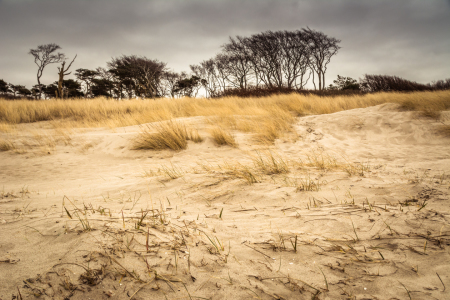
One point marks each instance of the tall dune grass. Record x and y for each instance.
(102, 112)
(169, 135)
(222, 137)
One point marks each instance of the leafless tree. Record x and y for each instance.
(296, 57)
(62, 71)
(43, 56)
(169, 80)
(272, 59)
(211, 73)
(322, 48)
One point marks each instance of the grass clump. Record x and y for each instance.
(308, 184)
(321, 160)
(222, 137)
(6, 145)
(270, 164)
(169, 135)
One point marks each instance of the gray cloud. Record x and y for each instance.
(408, 38)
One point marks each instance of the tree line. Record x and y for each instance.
(267, 62)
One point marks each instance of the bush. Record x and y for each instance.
(265, 92)
(386, 83)
(440, 85)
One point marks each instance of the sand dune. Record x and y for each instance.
(349, 204)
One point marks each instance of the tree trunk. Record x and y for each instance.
(319, 74)
(314, 81)
(323, 80)
(60, 81)
(40, 87)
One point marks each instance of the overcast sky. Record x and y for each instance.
(407, 38)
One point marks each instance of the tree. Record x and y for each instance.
(322, 48)
(346, 83)
(169, 83)
(211, 75)
(87, 76)
(51, 90)
(102, 87)
(104, 84)
(70, 88)
(386, 83)
(4, 87)
(43, 56)
(137, 76)
(188, 87)
(440, 84)
(62, 71)
(35, 91)
(19, 90)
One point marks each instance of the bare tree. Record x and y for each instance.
(322, 48)
(295, 60)
(169, 83)
(265, 55)
(62, 71)
(211, 74)
(43, 56)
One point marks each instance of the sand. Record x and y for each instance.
(363, 213)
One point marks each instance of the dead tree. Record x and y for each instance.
(62, 71)
(43, 56)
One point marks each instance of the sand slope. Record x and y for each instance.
(365, 204)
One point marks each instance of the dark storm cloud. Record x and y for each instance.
(408, 38)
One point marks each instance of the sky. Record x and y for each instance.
(407, 38)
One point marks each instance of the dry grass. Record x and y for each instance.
(268, 117)
(7, 128)
(444, 130)
(104, 112)
(269, 163)
(6, 145)
(222, 137)
(169, 135)
(320, 159)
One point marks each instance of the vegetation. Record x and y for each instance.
(265, 60)
(222, 137)
(169, 135)
(100, 112)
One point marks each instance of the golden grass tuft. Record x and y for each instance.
(6, 145)
(7, 128)
(169, 135)
(222, 137)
